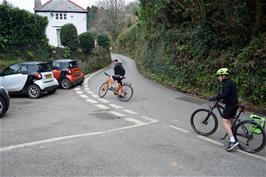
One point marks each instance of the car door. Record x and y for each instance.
(56, 71)
(13, 79)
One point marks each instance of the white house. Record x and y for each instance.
(59, 13)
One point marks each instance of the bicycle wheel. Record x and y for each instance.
(204, 122)
(127, 92)
(250, 135)
(103, 90)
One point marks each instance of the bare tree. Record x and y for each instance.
(112, 16)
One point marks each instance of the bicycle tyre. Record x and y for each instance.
(196, 122)
(245, 141)
(128, 94)
(103, 90)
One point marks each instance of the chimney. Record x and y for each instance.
(37, 4)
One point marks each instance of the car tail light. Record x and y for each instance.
(69, 72)
(37, 76)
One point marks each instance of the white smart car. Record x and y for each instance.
(31, 78)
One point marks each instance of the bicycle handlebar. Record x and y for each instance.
(123, 77)
(106, 74)
(241, 107)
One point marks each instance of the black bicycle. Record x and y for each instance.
(249, 133)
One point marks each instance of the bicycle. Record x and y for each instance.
(249, 133)
(125, 92)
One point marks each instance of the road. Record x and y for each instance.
(74, 133)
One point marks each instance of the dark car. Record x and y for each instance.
(4, 101)
(67, 72)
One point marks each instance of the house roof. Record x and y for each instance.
(61, 6)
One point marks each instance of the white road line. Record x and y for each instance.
(77, 88)
(221, 144)
(94, 96)
(83, 96)
(9, 148)
(103, 100)
(134, 121)
(90, 92)
(117, 114)
(91, 101)
(101, 106)
(79, 92)
(253, 155)
(149, 119)
(210, 140)
(115, 106)
(179, 129)
(130, 112)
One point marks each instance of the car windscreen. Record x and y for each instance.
(63, 65)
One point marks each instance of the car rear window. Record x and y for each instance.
(43, 67)
(73, 64)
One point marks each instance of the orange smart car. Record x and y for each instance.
(67, 72)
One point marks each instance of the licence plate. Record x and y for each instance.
(48, 76)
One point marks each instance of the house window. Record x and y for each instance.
(60, 16)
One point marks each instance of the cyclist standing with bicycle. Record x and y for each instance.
(119, 73)
(230, 99)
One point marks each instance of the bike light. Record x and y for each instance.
(37, 76)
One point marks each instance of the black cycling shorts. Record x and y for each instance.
(118, 79)
(230, 111)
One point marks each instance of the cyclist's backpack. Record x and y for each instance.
(260, 120)
(123, 72)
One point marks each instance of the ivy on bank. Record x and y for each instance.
(182, 45)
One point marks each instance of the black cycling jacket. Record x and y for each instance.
(119, 69)
(229, 92)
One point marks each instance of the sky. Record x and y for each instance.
(29, 4)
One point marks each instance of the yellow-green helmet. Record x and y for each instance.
(222, 71)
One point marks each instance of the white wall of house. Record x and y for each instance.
(79, 20)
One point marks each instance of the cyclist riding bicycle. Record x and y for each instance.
(230, 99)
(119, 73)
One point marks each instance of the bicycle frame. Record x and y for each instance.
(236, 119)
(216, 105)
(110, 81)
(219, 108)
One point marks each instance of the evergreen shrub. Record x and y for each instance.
(69, 36)
(87, 43)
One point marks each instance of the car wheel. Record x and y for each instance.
(2, 107)
(34, 91)
(66, 84)
(81, 82)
